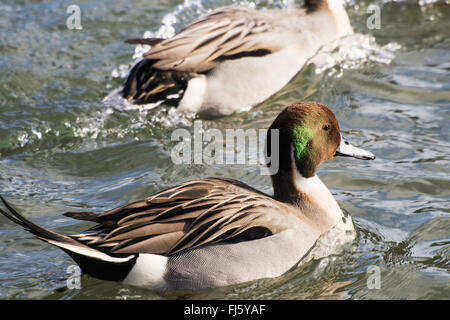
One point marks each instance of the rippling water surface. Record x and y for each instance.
(62, 149)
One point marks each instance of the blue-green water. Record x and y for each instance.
(62, 149)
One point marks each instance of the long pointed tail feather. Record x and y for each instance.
(147, 41)
(92, 261)
(16, 217)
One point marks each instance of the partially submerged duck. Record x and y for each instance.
(217, 232)
(233, 57)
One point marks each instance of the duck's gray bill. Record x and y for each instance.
(347, 150)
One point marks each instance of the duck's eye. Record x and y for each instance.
(326, 127)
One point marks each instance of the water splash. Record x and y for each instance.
(423, 3)
(352, 52)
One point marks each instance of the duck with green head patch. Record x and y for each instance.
(301, 139)
(215, 232)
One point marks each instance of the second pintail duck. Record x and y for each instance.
(217, 232)
(234, 57)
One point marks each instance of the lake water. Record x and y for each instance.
(62, 149)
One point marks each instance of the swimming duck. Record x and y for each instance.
(217, 232)
(234, 57)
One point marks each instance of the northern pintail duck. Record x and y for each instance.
(234, 57)
(217, 232)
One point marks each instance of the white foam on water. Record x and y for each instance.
(352, 52)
